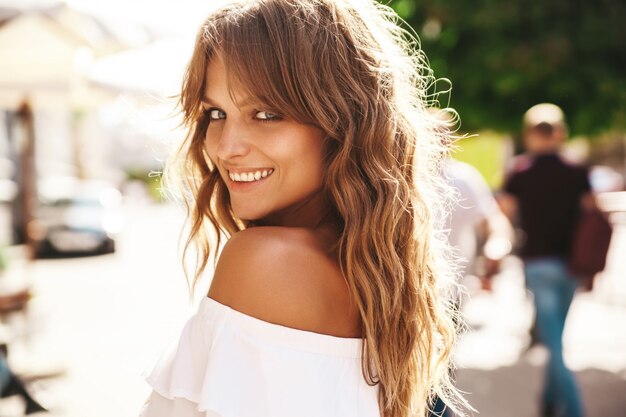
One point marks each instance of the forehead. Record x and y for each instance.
(216, 80)
(221, 85)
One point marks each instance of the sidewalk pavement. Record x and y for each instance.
(503, 376)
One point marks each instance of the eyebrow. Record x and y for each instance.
(248, 101)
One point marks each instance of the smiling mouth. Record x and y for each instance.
(250, 176)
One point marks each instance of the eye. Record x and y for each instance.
(215, 114)
(266, 116)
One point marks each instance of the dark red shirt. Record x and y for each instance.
(548, 192)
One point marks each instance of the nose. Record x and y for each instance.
(232, 142)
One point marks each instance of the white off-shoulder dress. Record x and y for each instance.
(229, 364)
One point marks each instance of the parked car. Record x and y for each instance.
(76, 217)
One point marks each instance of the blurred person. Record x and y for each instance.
(476, 219)
(474, 224)
(312, 154)
(547, 194)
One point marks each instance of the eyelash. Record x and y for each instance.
(273, 117)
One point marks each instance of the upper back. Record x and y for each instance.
(286, 276)
(548, 182)
(549, 191)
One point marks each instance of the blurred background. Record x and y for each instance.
(91, 283)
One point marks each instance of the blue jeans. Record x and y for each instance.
(553, 290)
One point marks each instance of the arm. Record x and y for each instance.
(508, 205)
(491, 225)
(588, 202)
(498, 234)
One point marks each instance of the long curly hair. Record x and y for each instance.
(348, 68)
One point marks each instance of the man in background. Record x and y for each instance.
(546, 194)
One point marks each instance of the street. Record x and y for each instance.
(103, 319)
(97, 322)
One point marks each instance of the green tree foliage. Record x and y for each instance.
(505, 56)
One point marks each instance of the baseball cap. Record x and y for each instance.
(544, 114)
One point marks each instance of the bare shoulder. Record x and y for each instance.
(285, 276)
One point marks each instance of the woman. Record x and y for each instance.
(312, 154)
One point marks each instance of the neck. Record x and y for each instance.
(313, 212)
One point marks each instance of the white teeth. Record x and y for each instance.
(249, 176)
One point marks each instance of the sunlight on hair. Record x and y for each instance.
(353, 69)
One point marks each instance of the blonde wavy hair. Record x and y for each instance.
(347, 67)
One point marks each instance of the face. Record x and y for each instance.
(272, 166)
(542, 142)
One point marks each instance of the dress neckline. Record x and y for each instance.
(283, 335)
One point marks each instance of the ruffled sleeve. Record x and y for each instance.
(228, 364)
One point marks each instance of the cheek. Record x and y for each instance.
(316, 167)
(309, 164)
(210, 148)
(316, 151)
